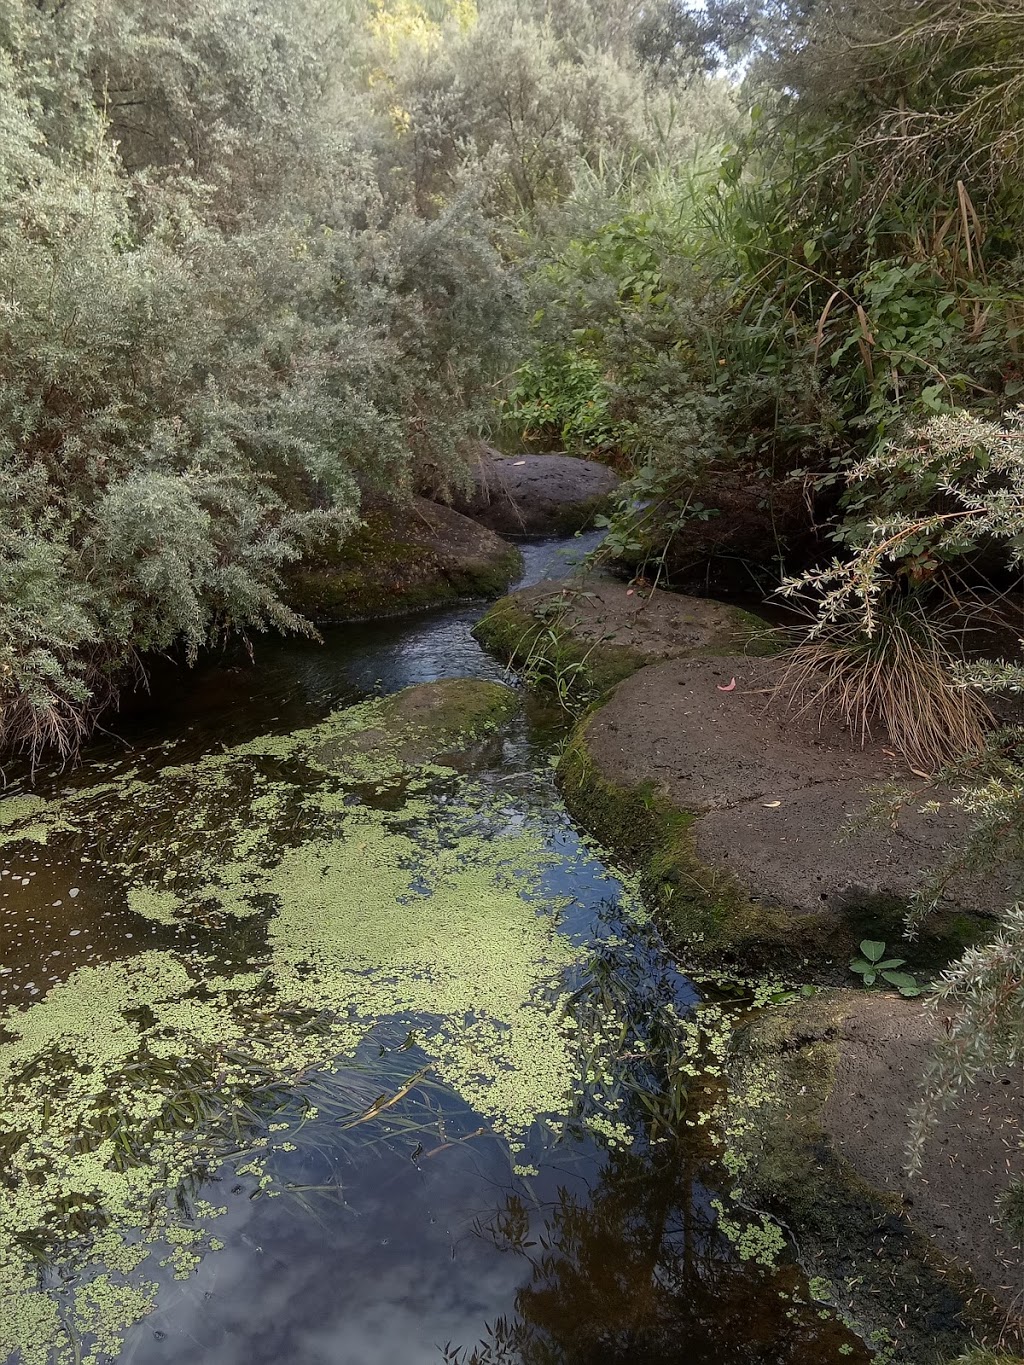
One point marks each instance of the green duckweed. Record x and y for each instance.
(130, 1080)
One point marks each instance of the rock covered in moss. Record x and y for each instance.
(421, 723)
(754, 820)
(609, 630)
(537, 495)
(405, 557)
(814, 1126)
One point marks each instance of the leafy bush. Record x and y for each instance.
(215, 330)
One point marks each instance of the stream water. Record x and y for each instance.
(304, 1062)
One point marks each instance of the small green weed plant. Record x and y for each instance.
(873, 967)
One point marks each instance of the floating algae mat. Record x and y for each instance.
(371, 950)
(129, 1078)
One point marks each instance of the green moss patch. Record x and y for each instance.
(420, 723)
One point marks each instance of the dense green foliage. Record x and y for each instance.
(255, 262)
(771, 315)
(806, 349)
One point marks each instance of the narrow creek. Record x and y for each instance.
(313, 1052)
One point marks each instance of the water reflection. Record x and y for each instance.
(381, 1274)
(633, 1269)
(597, 1261)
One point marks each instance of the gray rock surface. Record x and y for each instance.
(781, 802)
(970, 1157)
(537, 495)
(596, 608)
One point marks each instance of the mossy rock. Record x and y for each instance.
(583, 636)
(707, 912)
(704, 910)
(916, 1305)
(548, 655)
(426, 722)
(404, 558)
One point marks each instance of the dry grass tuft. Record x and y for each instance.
(899, 681)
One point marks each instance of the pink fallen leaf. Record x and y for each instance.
(629, 592)
(728, 687)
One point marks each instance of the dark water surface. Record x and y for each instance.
(409, 1234)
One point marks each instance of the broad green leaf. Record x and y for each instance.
(903, 981)
(872, 949)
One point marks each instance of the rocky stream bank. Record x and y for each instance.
(753, 827)
(413, 554)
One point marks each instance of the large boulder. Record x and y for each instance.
(758, 820)
(537, 495)
(405, 556)
(815, 1124)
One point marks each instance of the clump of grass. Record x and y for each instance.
(897, 682)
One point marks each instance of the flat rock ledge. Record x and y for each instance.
(602, 630)
(537, 495)
(753, 823)
(406, 557)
